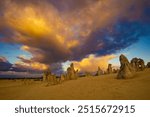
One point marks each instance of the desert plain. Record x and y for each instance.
(104, 87)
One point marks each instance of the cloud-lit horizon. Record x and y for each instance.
(52, 32)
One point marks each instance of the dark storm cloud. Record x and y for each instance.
(113, 39)
(61, 5)
(4, 64)
(23, 68)
(71, 5)
(24, 60)
(77, 27)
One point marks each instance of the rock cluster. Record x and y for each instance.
(126, 70)
(46, 74)
(71, 73)
(50, 78)
(138, 64)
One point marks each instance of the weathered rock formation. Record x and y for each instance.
(63, 77)
(148, 65)
(137, 64)
(71, 73)
(126, 70)
(109, 69)
(134, 64)
(50, 78)
(141, 64)
(46, 74)
(99, 72)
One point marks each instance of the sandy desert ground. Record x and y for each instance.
(87, 88)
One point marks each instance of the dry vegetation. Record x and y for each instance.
(92, 88)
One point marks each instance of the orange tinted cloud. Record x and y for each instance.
(91, 63)
(28, 22)
(29, 64)
(32, 66)
(25, 48)
(54, 32)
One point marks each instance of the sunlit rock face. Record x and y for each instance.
(126, 71)
(71, 72)
(109, 69)
(99, 72)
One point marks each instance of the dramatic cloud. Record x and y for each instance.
(23, 65)
(55, 31)
(4, 64)
(91, 63)
(28, 64)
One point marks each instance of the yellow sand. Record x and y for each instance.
(91, 88)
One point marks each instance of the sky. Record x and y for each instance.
(36, 35)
